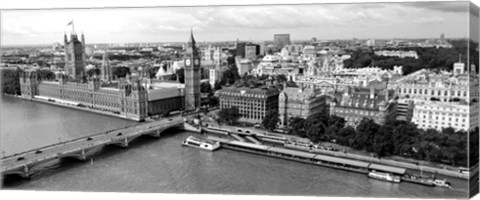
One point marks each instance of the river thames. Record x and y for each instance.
(165, 166)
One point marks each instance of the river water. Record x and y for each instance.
(164, 166)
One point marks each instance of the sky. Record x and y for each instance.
(227, 23)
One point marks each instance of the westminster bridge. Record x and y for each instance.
(81, 148)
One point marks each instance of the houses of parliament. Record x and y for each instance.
(127, 98)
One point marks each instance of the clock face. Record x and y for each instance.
(197, 62)
(187, 62)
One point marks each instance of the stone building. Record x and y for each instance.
(252, 103)
(192, 75)
(302, 101)
(354, 104)
(75, 56)
(127, 98)
(439, 115)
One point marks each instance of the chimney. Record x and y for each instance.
(372, 93)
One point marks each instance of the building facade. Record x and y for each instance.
(192, 75)
(405, 109)
(127, 99)
(280, 40)
(164, 100)
(356, 103)
(106, 70)
(250, 51)
(215, 75)
(253, 103)
(299, 102)
(439, 115)
(75, 56)
(447, 87)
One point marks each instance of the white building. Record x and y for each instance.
(438, 115)
(400, 54)
(215, 74)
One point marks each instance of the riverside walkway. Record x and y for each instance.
(23, 163)
(262, 134)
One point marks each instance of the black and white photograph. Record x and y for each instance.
(261, 99)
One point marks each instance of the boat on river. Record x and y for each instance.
(201, 143)
(418, 179)
(384, 176)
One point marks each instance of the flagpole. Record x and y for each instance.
(73, 27)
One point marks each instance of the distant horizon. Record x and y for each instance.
(49, 44)
(382, 21)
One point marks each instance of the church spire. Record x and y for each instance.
(192, 39)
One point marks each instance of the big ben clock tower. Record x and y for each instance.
(192, 75)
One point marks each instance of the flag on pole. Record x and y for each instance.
(69, 23)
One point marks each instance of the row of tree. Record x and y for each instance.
(11, 79)
(430, 58)
(393, 138)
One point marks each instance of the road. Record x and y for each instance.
(54, 151)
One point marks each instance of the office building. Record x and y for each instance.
(355, 103)
(252, 103)
(302, 101)
(280, 40)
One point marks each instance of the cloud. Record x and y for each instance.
(230, 22)
(458, 6)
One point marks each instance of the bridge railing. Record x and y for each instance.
(78, 139)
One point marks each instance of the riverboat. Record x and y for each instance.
(441, 183)
(384, 176)
(201, 143)
(418, 179)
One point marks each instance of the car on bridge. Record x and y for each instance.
(38, 151)
(89, 138)
(20, 158)
(119, 134)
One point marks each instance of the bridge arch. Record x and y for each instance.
(157, 133)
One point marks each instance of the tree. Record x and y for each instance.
(297, 126)
(322, 117)
(10, 81)
(271, 119)
(337, 121)
(217, 85)
(230, 75)
(45, 74)
(346, 136)
(404, 136)
(365, 133)
(382, 143)
(315, 132)
(213, 101)
(281, 78)
(120, 72)
(180, 74)
(93, 71)
(205, 87)
(228, 116)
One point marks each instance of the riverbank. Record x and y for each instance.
(77, 108)
(449, 172)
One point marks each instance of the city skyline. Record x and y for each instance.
(227, 23)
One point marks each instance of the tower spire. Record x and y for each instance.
(192, 39)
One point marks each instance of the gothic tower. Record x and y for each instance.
(192, 75)
(105, 70)
(75, 56)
